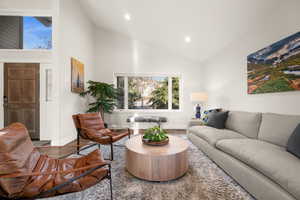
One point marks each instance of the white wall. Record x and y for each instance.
(48, 110)
(223, 75)
(226, 72)
(73, 36)
(76, 39)
(116, 53)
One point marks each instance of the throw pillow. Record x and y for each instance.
(206, 112)
(293, 145)
(217, 119)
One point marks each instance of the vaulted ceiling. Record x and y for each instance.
(211, 24)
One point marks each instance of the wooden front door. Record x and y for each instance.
(21, 96)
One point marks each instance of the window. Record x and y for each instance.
(17, 32)
(148, 92)
(175, 92)
(121, 87)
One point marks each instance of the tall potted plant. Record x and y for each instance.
(104, 97)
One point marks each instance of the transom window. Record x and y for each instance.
(148, 92)
(24, 32)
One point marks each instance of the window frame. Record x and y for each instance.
(170, 94)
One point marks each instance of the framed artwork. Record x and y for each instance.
(77, 76)
(275, 68)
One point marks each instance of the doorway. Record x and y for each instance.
(22, 96)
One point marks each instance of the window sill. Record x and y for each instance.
(145, 111)
(26, 50)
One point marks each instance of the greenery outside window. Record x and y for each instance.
(148, 92)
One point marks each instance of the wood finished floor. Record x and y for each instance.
(63, 151)
(70, 148)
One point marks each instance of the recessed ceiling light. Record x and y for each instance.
(127, 16)
(187, 39)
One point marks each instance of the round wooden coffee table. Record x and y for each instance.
(157, 163)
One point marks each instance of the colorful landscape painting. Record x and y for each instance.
(275, 68)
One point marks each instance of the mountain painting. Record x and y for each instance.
(275, 68)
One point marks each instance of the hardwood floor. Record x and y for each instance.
(63, 151)
(71, 148)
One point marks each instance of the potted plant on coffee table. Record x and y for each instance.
(155, 136)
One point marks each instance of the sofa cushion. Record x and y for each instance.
(293, 145)
(277, 128)
(271, 160)
(212, 135)
(246, 123)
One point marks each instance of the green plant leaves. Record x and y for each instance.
(104, 95)
(159, 96)
(155, 134)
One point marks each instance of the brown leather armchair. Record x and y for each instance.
(91, 126)
(25, 173)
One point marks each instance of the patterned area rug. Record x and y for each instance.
(203, 181)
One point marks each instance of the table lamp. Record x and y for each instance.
(198, 97)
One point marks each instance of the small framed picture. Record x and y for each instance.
(77, 76)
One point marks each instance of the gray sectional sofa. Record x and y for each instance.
(252, 150)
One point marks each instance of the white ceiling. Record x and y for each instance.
(211, 24)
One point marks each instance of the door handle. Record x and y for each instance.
(5, 101)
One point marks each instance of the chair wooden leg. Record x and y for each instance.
(111, 152)
(129, 133)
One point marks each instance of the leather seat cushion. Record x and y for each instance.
(271, 160)
(42, 183)
(17, 155)
(213, 135)
(15, 148)
(92, 127)
(118, 135)
(104, 136)
(91, 121)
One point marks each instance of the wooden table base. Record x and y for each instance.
(154, 163)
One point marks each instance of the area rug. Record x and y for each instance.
(203, 181)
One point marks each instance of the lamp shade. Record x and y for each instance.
(199, 97)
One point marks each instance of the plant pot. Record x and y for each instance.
(154, 143)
